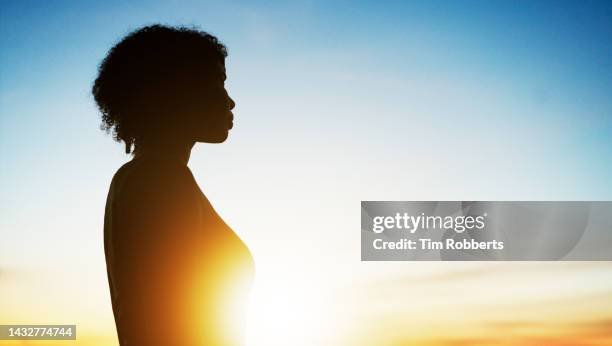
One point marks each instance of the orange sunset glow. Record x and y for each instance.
(317, 106)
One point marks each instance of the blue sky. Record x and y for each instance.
(337, 102)
(481, 74)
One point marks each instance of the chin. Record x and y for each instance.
(214, 138)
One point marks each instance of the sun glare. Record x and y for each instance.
(285, 311)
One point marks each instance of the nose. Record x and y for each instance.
(232, 104)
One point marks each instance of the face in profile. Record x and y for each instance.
(163, 84)
(209, 116)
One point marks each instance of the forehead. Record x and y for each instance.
(218, 69)
(221, 67)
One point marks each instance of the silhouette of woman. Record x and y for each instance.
(178, 275)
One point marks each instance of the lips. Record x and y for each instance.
(231, 121)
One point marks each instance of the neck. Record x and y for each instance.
(179, 151)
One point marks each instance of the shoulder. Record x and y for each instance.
(152, 180)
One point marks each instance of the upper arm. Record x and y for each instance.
(160, 205)
(159, 225)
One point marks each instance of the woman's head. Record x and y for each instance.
(164, 83)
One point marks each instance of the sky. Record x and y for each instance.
(337, 102)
